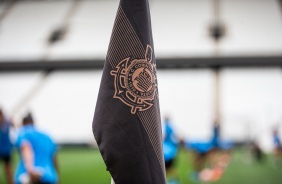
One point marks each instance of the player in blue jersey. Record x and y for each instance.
(38, 163)
(216, 135)
(277, 147)
(214, 153)
(276, 141)
(6, 147)
(170, 146)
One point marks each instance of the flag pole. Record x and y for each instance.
(112, 181)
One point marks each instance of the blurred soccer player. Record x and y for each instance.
(216, 134)
(5, 147)
(277, 147)
(211, 157)
(170, 146)
(218, 157)
(277, 142)
(38, 163)
(256, 151)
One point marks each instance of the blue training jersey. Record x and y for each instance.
(44, 150)
(276, 141)
(5, 142)
(215, 138)
(170, 144)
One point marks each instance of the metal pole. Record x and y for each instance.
(45, 74)
(216, 13)
(8, 6)
(217, 94)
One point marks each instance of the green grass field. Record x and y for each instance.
(85, 166)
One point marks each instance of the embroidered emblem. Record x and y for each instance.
(135, 82)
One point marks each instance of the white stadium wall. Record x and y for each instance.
(64, 103)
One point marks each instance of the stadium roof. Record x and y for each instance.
(252, 33)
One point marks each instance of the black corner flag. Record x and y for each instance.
(127, 124)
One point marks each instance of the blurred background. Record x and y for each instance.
(216, 59)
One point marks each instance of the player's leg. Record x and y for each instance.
(8, 169)
(172, 176)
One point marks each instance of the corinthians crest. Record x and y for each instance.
(135, 82)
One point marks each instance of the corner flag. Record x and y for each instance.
(127, 124)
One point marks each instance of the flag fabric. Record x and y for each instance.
(127, 124)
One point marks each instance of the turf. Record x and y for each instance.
(85, 166)
(77, 166)
(243, 169)
(82, 167)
